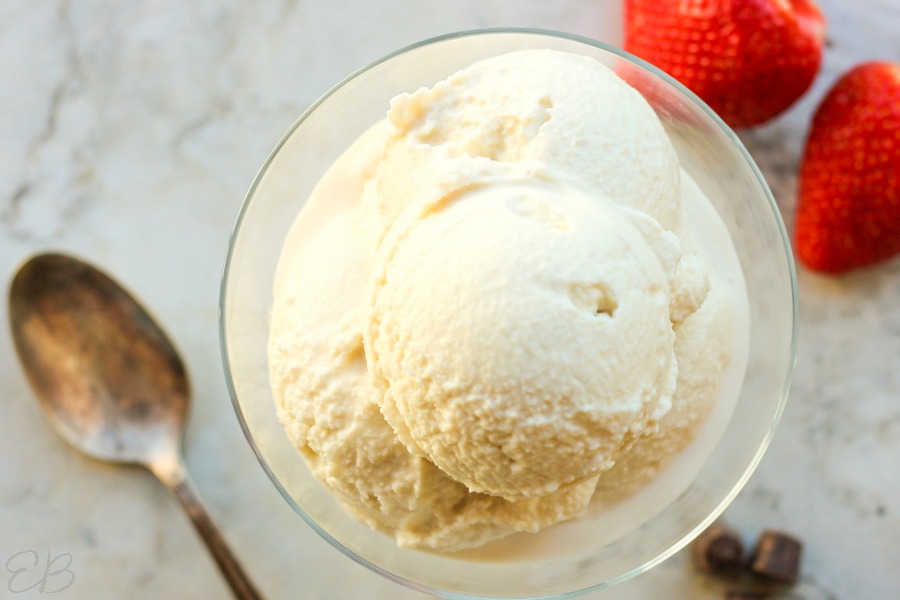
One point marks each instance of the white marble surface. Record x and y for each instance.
(129, 134)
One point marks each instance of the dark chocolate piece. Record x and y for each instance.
(777, 556)
(733, 595)
(719, 550)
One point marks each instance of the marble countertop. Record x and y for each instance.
(130, 133)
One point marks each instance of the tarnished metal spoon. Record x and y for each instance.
(109, 380)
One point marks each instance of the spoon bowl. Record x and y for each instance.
(106, 375)
(109, 380)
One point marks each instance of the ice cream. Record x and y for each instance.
(507, 310)
(534, 114)
(327, 403)
(520, 338)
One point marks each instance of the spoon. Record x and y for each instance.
(109, 380)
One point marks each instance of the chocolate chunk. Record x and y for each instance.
(777, 556)
(719, 550)
(745, 596)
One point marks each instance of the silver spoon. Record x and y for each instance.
(109, 380)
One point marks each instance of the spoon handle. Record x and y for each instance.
(174, 475)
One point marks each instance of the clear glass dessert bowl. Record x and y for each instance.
(586, 554)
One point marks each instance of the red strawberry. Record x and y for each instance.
(848, 214)
(748, 59)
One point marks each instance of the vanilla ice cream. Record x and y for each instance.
(537, 114)
(520, 337)
(327, 404)
(507, 310)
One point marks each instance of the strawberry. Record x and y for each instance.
(848, 213)
(748, 59)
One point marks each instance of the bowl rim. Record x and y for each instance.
(722, 127)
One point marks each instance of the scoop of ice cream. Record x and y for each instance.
(540, 114)
(520, 336)
(325, 401)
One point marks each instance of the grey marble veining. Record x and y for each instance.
(130, 132)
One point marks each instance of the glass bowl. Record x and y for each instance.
(714, 158)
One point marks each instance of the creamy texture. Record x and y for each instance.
(327, 403)
(521, 337)
(535, 114)
(492, 302)
(633, 491)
